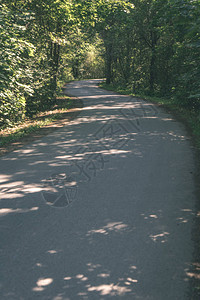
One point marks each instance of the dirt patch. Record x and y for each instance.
(63, 120)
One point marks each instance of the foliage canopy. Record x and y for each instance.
(152, 46)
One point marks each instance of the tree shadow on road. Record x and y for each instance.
(77, 216)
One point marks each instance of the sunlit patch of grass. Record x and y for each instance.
(15, 133)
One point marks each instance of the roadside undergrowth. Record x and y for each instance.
(40, 120)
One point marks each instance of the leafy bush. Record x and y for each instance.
(14, 73)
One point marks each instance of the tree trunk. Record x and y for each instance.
(109, 63)
(154, 40)
(128, 59)
(152, 71)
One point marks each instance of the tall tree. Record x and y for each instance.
(111, 15)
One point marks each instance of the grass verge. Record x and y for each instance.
(24, 132)
(190, 117)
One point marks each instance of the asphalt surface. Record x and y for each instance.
(103, 208)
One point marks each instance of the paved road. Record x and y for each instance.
(100, 209)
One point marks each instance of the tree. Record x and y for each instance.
(15, 66)
(111, 15)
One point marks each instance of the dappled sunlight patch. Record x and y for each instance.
(109, 289)
(4, 158)
(67, 278)
(151, 117)
(132, 108)
(186, 210)
(149, 217)
(89, 119)
(27, 151)
(32, 189)
(116, 152)
(81, 277)
(39, 265)
(131, 281)
(176, 136)
(182, 220)
(103, 275)
(100, 282)
(84, 279)
(102, 231)
(161, 237)
(42, 283)
(167, 119)
(11, 195)
(185, 215)
(153, 216)
(169, 135)
(53, 251)
(133, 268)
(5, 178)
(15, 184)
(18, 189)
(80, 156)
(38, 289)
(194, 273)
(6, 211)
(101, 106)
(117, 227)
(82, 294)
(92, 267)
(61, 297)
